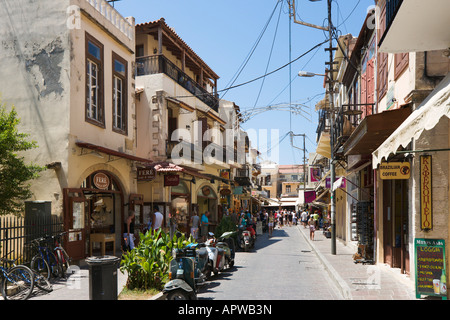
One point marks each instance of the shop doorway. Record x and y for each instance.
(207, 201)
(94, 208)
(396, 224)
(179, 208)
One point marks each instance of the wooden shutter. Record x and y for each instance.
(401, 62)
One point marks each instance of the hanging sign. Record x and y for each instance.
(101, 181)
(426, 217)
(395, 170)
(430, 268)
(146, 174)
(171, 180)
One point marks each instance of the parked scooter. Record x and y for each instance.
(182, 284)
(216, 261)
(226, 242)
(201, 260)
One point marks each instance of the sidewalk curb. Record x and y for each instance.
(158, 296)
(341, 284)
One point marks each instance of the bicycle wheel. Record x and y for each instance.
(42, 282)
(39, 265)
(63, 260)
(18, 283)
(53, 264)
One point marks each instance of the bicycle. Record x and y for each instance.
(61, 254)
(17, 282)
(45, 261)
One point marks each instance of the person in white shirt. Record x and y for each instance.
(157, 219)
(304, 218)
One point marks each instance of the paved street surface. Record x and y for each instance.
(282, 267)
(286, 266)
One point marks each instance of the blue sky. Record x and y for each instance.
(224, 34)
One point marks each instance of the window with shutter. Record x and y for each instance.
(401, 61)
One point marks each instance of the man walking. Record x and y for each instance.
(204, 223)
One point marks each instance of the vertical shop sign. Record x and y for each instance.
(426, 216)
(430, 268)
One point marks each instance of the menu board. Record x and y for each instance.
(430, 267)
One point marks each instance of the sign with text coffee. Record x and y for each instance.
(395, 170)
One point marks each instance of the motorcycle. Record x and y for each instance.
(201, 260)
(226, 242)
(244, 239)
(216, 256)
(182, 284)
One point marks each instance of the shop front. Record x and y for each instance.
(207, 201)
(95, 211)
(179, 207)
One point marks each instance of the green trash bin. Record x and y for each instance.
(103, 277)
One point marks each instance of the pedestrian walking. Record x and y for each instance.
(204, 224)
(304, 218)
(312, 228)
(129, 231)
(271, 222)
(195, 219)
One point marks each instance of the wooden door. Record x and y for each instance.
(76, 219)
(387, 223)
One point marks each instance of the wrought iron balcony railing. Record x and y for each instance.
(160, 64)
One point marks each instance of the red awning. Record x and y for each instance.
(171, 167)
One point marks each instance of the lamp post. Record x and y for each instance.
(332, 163)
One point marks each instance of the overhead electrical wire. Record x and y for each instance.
(260, 77)
(252, 50)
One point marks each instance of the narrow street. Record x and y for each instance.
(282, 267)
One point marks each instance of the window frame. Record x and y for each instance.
(100, 121)
(115, 57)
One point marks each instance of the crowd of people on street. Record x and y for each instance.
(271, 219)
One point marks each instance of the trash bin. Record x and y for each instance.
(103, 277)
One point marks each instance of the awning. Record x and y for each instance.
(171, 167)
(373, 131)
(288, 202)
(324, 146)
(111, 152)
(425, 117)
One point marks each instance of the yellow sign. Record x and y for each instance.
(425, 193)
(395, 170)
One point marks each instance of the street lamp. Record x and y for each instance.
(332, 162)
(308, 74)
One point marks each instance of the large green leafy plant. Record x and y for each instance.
(147, 265)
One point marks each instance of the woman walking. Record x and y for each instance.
(271, 222)
(312, 228)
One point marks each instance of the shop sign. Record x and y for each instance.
(342, 183)
(310, 196)
(171, 180)
(146, 174)
(225, 192)
(430, 268)
(426, 218)
(206, 191)
(101, 181)
(395, 170)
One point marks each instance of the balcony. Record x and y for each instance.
(111, 14)
(160, 64)
(415, 26)
(348, 118)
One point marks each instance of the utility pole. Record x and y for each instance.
(330, 81)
